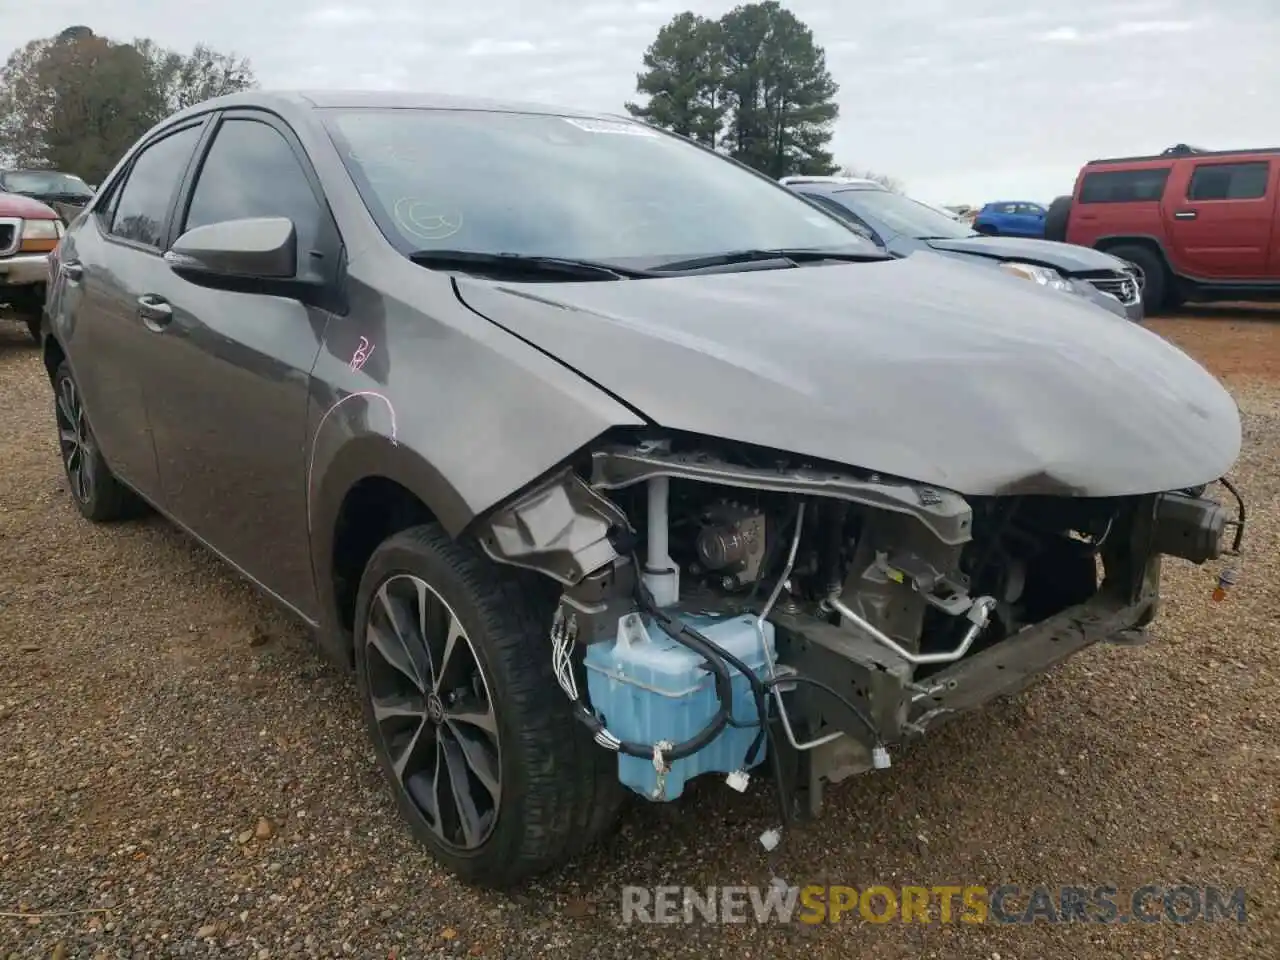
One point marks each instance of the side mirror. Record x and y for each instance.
(256, 255)
(265, 248)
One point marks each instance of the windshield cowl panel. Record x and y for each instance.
(607, 191)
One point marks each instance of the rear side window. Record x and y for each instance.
(1124, 186)
(1229, 181)
(142, 208)
(252, 171)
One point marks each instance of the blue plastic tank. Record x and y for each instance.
(650, 688)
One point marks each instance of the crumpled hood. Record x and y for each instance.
(1067, 257)
(924, 368)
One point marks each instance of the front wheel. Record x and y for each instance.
(475, 737)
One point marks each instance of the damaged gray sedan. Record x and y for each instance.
(605, 462)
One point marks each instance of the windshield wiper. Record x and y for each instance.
(481, 261)
(795, 255)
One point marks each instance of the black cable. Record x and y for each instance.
(681, 632)
(714, 659)
(849, 705)
(1240, 513)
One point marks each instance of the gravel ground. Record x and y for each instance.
(176, 757)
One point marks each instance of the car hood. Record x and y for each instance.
(20, 205)
(923, 368)
(1065, 257)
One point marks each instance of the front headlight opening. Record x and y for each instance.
(39, 236)
(1040, 275)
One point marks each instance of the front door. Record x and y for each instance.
(229, 405)
(1221, 219)
(107, 263)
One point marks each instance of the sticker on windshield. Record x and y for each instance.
(610, 126)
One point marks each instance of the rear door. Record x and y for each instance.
(109, 261)
(1221, 218)
(1119, 202)
(228, 404)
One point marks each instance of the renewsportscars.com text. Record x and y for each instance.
(1006, 904)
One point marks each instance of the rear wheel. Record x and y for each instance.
(96, 492)
(1156, 278)
(471, 731)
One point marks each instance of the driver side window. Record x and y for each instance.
(252, 171)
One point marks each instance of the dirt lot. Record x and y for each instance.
(154, 711)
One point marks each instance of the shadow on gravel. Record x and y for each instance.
(1251, 312)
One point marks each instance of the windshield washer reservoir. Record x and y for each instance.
(650, 688)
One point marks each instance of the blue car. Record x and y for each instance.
(903, 226)
(1015, 218)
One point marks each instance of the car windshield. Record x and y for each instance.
(46, 183)
(902, 215)
(559, 186)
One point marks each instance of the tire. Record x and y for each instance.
(538, 788)
(33, 328)
(1155, 276)
(94, 489)
(1056, 219)
(987, 230)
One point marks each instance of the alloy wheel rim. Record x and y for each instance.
(433, 710)
(73, 440)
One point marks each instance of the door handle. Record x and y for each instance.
(1185, 215)
(154, 311)
(73, 270)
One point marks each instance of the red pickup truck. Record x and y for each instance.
(29, 230)
(1201, 225)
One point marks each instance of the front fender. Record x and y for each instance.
(422, 391)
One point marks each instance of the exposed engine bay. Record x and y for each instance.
(725, 606)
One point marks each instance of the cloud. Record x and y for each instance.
(490, 47)
(1058, 35)
(963, 102)
(1126, 28)
(1138, 27)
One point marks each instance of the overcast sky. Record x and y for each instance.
(963, 101)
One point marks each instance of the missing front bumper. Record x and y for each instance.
(882, 684)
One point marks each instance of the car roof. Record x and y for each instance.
(1183, 152)
(385, 99)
